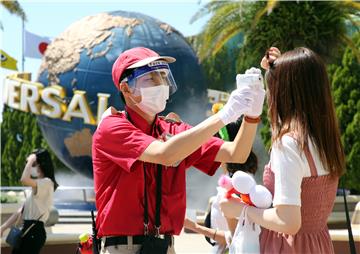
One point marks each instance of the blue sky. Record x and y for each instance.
(50, 18)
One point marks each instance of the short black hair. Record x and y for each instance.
(122, 97)
(125, 74)
(251, 163)
(250, 166)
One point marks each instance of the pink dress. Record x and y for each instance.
(317, 201)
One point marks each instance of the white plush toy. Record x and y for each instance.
(244, 185)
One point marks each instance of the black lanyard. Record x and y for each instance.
(158, 194)
(158, 202)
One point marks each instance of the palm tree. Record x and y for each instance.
(14, 8)
(318, 25)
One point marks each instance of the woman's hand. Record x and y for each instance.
(26, 175)
(271, 55)
(189, 224)
(31, 159)
(232, 207)
(2, 229)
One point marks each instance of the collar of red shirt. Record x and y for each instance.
(137, 120)
(140, 122)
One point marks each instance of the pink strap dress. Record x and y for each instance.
(317, 200)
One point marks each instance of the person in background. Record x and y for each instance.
(307, 157)
(38, 174)
(216, 226)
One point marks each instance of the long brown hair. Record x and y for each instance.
(300, 101)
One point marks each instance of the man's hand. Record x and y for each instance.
(253, 70)
(240, 102)
(257, 105)
(259, 93)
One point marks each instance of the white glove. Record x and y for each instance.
(253, 70)
(240, 101)
(252, 77)
(257, 103)
(259, 91)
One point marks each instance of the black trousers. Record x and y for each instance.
(34, 240)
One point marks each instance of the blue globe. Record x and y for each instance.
(81, 58)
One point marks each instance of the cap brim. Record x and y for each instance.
(148, 60)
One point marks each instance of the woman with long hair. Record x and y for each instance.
(306, 160)
(38, 174)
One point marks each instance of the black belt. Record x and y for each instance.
(137, 239)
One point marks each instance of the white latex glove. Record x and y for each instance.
(240, 101)
(259, 91)
(257, 104)
(253, 70)
(252, 77)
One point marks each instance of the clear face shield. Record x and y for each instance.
(154, 74)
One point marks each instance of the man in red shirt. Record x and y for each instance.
(135, 148)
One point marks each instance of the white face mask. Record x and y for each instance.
(153, 99)
(34, 172)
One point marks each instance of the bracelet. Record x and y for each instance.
(214, 234)
(249, 119)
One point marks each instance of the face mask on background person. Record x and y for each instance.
(153, 99)
(34, 172)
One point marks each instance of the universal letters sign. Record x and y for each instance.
(27, 96)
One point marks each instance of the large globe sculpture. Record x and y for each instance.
(81, 58)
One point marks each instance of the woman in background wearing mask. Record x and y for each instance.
(39, 174)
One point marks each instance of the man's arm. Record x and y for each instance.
(242, 100)
(238, 150)
(183, 144)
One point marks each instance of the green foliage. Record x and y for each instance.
(20, 134)
(13, 7)
(323, 26)
(346, 89)
(322, 29)
(320, 26)
(5, 198)
(220, 69)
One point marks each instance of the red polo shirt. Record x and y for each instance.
(119, 176)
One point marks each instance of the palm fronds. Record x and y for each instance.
(14, 7)
(321, 26)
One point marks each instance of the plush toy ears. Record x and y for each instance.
(225, 182)
(260, 196)
(243, 182)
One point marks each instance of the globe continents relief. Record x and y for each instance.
(81, 58)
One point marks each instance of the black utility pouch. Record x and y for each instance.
(154, 245)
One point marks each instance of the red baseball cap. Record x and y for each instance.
(134, 58)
